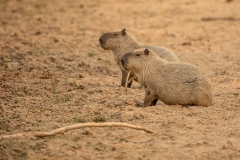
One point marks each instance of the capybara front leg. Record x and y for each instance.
(154, 102)
(124, 77)
(149, 98)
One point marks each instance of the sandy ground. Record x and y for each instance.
(53, 73)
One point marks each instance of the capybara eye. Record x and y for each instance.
(138, 54)
(115, 34)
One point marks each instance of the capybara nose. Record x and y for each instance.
(100, 41)
(122, 62)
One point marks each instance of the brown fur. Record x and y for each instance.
(122, 42)
(171, 82)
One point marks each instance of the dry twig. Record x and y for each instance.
(129, 81)
(126, 83)
(76, 126)
(220, 19)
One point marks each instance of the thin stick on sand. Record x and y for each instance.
(126, 83)
(75, 126)
(129, 81)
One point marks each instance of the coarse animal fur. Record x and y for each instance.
(122, 42)
(171, 82)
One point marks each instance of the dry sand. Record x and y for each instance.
(53, 73)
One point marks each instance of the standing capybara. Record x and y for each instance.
(122, 42)
(171, 82)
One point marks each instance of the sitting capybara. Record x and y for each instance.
(122, 42)
(170, 82)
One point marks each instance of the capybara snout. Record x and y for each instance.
(100, 41)
(122, 62)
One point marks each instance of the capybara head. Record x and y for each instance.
(109, 41)
(137, 59)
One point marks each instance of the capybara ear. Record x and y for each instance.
(146, 51)
(123, 31)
